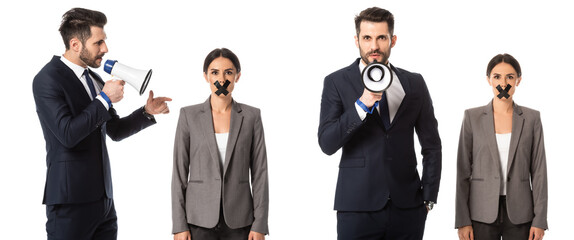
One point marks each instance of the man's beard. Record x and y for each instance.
(384, 55)
(87, 58)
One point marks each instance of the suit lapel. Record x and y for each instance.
(72, 81)
(490, 134)
(405, 83)
(234, 129)
(354, 77)
(98, 79)
(517, 123)
(206, 120)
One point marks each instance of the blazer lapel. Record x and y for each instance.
(72, 81)
(517, 124)
(405, 83)
(206, 120)
(354, 77)
(234, 129)
(98, 79)
(490, 134)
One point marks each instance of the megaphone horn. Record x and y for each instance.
(137, 78)
(377, 77)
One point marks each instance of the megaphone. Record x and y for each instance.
(377, 77)
(139, 79)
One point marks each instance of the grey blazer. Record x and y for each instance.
(200, 184)
(478, 169)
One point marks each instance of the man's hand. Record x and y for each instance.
(182, 236)
(114, 89)
(256, 236)
(369, 98)
(465, 233)
(536, 233)
(157, 105)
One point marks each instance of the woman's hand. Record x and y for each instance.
(182, 236)
(465, 233)
(536, 233)
(256, 236)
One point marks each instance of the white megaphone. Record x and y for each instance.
(135, 77)
(377, 77)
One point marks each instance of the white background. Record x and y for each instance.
(286, 48)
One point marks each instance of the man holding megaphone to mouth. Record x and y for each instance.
(371, 109)
(75, 108)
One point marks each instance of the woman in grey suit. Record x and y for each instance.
(501, 166)
(219, 147)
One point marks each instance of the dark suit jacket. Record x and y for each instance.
(200, 184)
(479, 171)
(377, 164)
(75, 129)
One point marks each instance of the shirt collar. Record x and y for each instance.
(78, 70)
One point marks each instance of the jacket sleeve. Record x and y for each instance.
(120, 128)
(539, 177)
(463, 174)
(337, 124)
(180, 175)
(259, 179)
(427, 131)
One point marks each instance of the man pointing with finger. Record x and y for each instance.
(75, 108)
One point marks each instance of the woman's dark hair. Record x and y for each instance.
(375, 14)
(506, 58)
(77, 22)
(221, 52)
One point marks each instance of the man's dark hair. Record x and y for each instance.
(77, 22)
(375, 14)
(221, 52)
(507, 58)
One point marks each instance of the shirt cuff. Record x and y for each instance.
(104, 102)
(361, 112)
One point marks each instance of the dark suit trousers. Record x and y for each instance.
(389, 223)
(90, 221)
(219, 232)
(502, 227)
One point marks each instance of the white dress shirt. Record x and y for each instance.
(503, 142)
(79, 71)
(395, 95)
(221, 140)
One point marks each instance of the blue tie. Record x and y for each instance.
(385, 111)
(90, 83)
